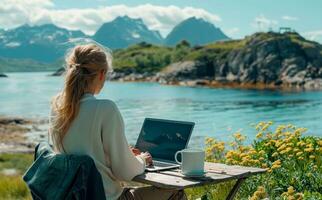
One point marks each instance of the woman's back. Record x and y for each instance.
(98, 131)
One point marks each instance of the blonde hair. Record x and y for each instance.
(83, 63)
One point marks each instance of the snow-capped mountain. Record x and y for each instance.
(124, 31)
(43, 43)
(48, 43)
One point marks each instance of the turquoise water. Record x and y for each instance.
(217, 112)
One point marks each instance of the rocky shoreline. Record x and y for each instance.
(308, 84)
(260, 61)
(17, 135)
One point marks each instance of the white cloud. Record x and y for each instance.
(289, 18)
(314, 35)
(35, 12)
(232, 32)
(264, 24)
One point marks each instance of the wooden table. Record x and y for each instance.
(216, 173)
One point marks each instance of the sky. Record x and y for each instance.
(237, 18)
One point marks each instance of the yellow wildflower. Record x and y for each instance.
(276, 162)
(275, 166)
(262, 152)
(275, 154)
(299, 153)
(299, 196)
(239, 136)
(290, 190)
(259, 194)
(209, 140)
(320, 143)
(259, 135)
(309, 149)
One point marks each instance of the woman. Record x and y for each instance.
(82, 124)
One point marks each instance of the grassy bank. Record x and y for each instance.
(12, 166)
(292, 159)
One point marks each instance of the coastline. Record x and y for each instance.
(219, 84)
(18, 134)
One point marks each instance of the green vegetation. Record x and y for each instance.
(26, 65)
(141, 58)
(293, 163)
(145, 57)
(12, 167)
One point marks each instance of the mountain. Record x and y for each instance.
(196, 31)
(125, 31)
(45, 43)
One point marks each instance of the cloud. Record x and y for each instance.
(289, 18)
(14, 13)
(264, 24)
(231, 32)
(314, 35)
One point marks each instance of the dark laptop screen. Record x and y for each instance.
(163, 138)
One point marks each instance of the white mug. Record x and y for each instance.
(192, 161)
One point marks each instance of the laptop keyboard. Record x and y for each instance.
(160, 164)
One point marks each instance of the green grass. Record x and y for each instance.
(17, 161)
(12, 186)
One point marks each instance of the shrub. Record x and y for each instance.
(293, 162)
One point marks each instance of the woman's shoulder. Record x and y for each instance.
(107, 105)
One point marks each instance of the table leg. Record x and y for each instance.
(234, 190)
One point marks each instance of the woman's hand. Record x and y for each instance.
(148, 158)
(135, 151)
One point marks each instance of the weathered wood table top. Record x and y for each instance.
(216, 173)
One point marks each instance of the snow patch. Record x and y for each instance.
(136, 35)
(13, 44)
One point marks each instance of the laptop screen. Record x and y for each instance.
(163, 138)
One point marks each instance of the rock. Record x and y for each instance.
(3, 75)
(271, 58)
(59, 72)
(187, 70)
(313, 84)
(180, 70)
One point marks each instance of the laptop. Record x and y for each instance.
(162, 139)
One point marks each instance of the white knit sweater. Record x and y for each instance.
(98, 131)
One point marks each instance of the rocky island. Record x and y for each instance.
(262, 60)
(3, 75)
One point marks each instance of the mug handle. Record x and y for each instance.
(175, 157)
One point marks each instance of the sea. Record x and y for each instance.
(217, 112)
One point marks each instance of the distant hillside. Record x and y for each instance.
(45, 43)
(125, 31)
(270, 60)
(27, 65)
(196, 32)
